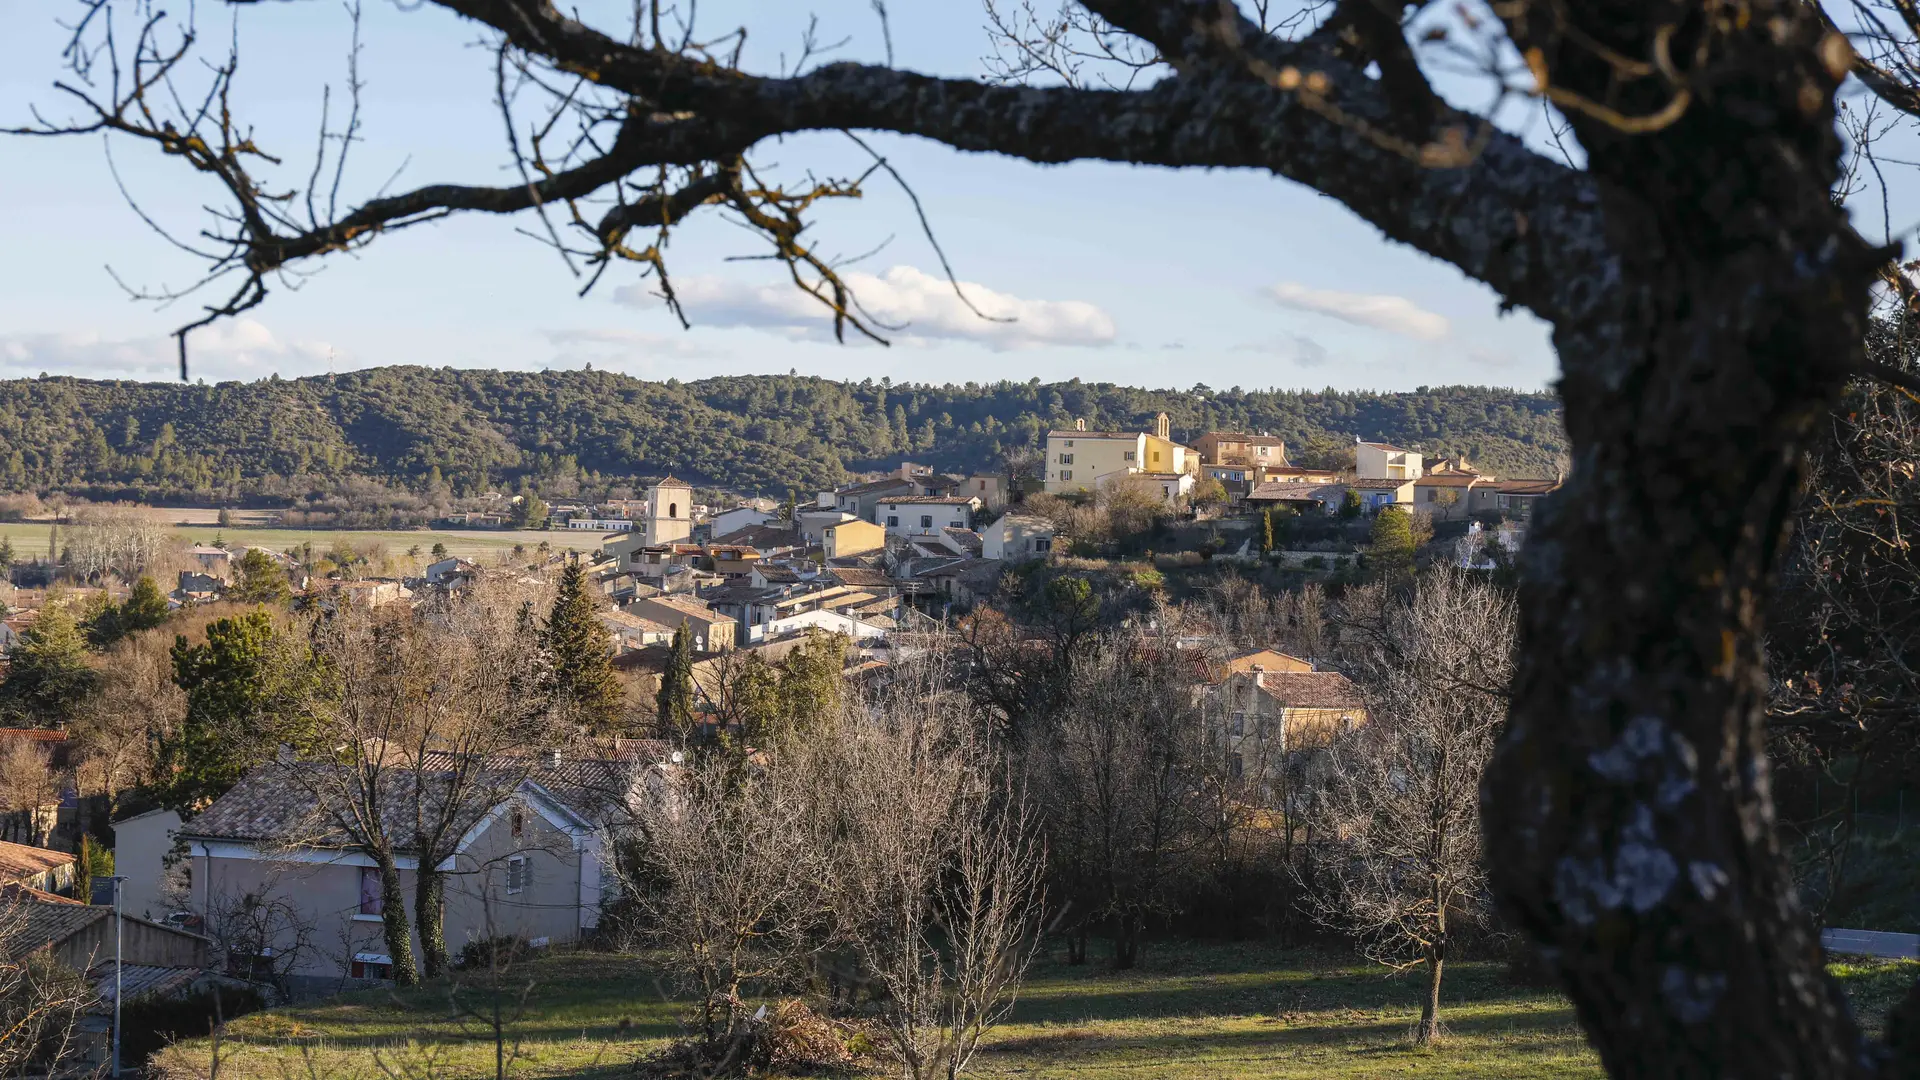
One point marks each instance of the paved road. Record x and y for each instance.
(1871, 943)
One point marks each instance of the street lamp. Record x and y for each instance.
(118, 927)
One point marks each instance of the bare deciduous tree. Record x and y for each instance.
(29, 789)
(937, 869)
(1395, 804)
(1119, 781)
(42, 1005)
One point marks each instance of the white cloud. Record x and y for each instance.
(632, 350)
(228, 349)
(924, 307)
(1394, 314)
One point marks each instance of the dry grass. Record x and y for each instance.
(1192, 1011)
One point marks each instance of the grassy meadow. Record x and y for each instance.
(1192, 1011)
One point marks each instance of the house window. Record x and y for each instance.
(1262, 451)
(673, 510)
(1066, 474)
(519, 874)
(893, 521)
(1235, 767)
(1127, 456)
(371, 966)
(926, 521)
(1066, 459)
(519, 821)
(371, 900)
(983, 485)
(1237, 724)
(1044, 543)
(1069, 442)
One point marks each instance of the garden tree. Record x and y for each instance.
(1350, 505)
(370, 673)
(103, 542)
(1118, 783)
(6, 555)
(811, 684)
(529, 512)
(674, 700)
(144, 608)
(1708, 299)
(48, 674)
(43, 1004)
(439, 550)
(247, 692)
(1390, 551)
(1133, 507)
(1842, 658)
(936, 882)
(1266, 533)
(1209, 494)
(452, 732)
(258, 579)
(580, 682)
(92, 861)
(137, 707)
(727, 881)
(29, 784)
(1395, 803)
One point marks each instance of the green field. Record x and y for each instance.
(30, 539)
(1203, 1011)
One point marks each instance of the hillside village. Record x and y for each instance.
(864, 584)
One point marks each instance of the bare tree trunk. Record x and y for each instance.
(1631, 793)
(429, 914)
(1429, 1028)
(393, 917)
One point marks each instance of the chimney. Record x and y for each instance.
(1163, 427)
(1080, 423)
(550, 758)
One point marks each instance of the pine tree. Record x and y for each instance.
(49, 676)
(260, 579)
(581, 678)
(248, 689)
(675, 699)
(144, 608)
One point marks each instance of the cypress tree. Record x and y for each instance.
(581, 677)
(675, 699)
(1266, 534)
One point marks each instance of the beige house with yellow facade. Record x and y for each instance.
(1268, 712)
(1082, 460)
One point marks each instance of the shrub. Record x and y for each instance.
(492, 952)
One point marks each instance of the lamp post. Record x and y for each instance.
(118, 929)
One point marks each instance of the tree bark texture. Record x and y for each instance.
(1429, 1028)
(393, 919)
(429, 914)
(1631, 829)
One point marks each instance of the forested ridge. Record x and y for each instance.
(419, 428)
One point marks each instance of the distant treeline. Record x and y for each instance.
(399, 441)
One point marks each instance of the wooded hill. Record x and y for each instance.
(456, 433)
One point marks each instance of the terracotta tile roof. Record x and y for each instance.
(919, 500)
(1072, 433)
(1311, 690)
(1459, 480)
(1526, 487)
(1292, 491)
(874, 485)
(32, 735)
(1382, 485)
(19, 862)
(27, 926)
(859, 575)
(1388, 447)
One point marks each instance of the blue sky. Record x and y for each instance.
(1131, 275)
